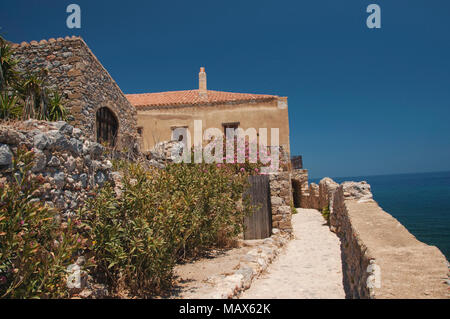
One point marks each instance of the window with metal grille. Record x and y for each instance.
(107, 126)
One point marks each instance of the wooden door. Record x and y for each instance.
(259, 224)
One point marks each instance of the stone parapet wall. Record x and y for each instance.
(381, 259)
(327, 187)
(307, 195)
(75, 72)
(281, 200)
(355, 255)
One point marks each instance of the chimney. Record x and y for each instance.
(202, 91)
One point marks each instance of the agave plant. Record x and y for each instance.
(8, 73)
(9, 107)
(31, 89)
(56, 110)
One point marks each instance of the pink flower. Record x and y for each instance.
(242, 169)
(219, 165)
(22, 222)
(78, 240)
(256, 170)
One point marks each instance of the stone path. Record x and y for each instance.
(309, 267)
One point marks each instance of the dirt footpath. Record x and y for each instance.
(192, 278)
(310, 266)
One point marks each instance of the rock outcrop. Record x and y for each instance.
(164, 152)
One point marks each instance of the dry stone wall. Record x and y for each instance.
(281, 201)
(327, 187)
(69, 165)
(355, 255)
(313, 198)
(301, 189)
(75, 72)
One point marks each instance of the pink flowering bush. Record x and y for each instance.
(247, 166)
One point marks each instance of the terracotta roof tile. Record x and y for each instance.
(44, 41)
(192, 97)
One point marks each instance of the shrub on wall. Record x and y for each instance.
(326, 213)
(35, 249)
(293, 209)
(161, 217)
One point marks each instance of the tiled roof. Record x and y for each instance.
(51, 40)
(192, 97)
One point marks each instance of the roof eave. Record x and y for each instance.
(181, 105)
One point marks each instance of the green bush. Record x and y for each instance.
(326, 213)
(34, 248)
(293, 209)
(161, 217)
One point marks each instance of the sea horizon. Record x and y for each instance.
(317, 179)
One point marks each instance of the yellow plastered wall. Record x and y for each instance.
(157, 124)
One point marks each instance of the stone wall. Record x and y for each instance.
(327, 188)
(381, 259)
(355, 255)
(300, 187)
(281, 200)
(313, 199)
(69, 165)
(75, 72)
(306, 195)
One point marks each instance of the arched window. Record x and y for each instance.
(107, 126)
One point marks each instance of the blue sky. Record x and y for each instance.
(361, 101)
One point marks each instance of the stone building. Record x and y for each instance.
(98, 106)
(94, 100)
(159, 114)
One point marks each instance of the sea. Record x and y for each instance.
(420, 201)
